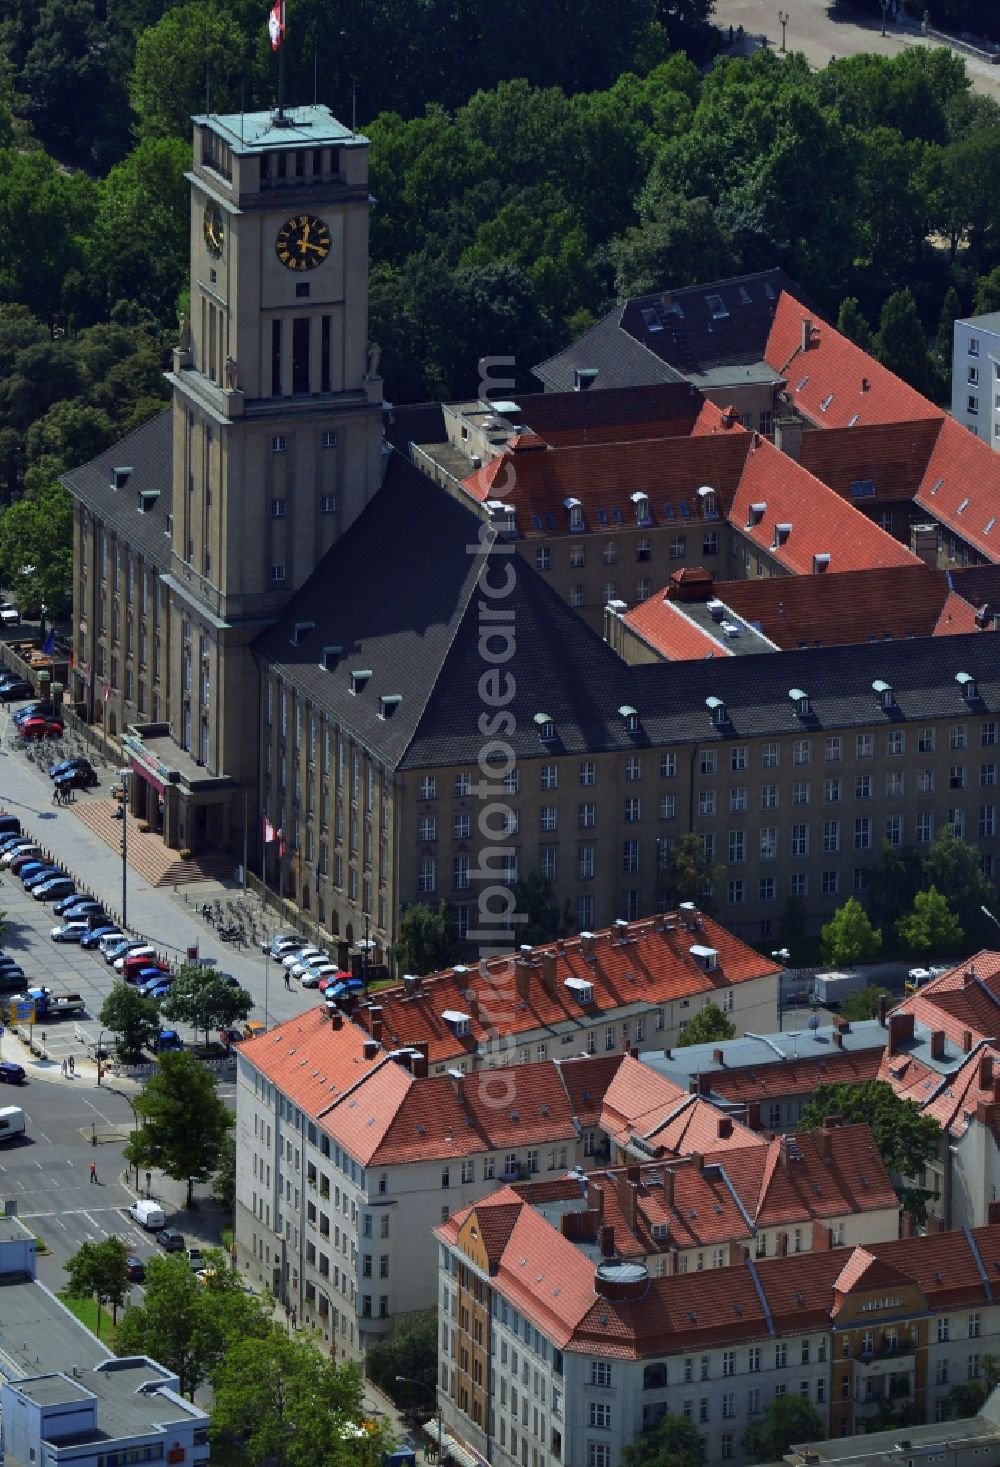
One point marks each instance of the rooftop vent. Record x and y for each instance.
(716, 609)
(755, 514)
(120, 477)
(360, 678)
(584, 378)
(387, 705)
(329, 658)
(300, 631)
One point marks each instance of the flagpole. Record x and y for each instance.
(280, 118)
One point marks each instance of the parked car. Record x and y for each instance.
(113, 951)
(39, 726)
(135, 1269)
(56, 886)
(281, 938)
(11, 1074)
(312, 977)
(156, 984)
(28, 711)
(160, 990)
(307, 960)
(285, 945)
(78, 906)
(12, 692)
(97, 934)
(147, 1214)
(139, 950)
(111, 940)
(170, 1240)
(195, 1258)
(74, 779)
(10, 839)
(24, 849)
(40, 875)
(69, 931)
(69, 766)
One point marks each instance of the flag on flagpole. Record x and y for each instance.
(268, 831)
(49, 645)
(276, 24)
(107, 692)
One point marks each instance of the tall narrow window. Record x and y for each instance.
(275, 358)
(300, 354)
(211, 344)
(325, 354)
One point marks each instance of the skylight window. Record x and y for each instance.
(717, 306)
(602, 517)
(685, 511)
(989, 524)
(937, 486)
(769, 290)
(826, 402)
(745, 297)
(668, 511)
(618, 516)
(963, 506)
(537, 521)
(799, 385)
(854, 419)
(651, 320)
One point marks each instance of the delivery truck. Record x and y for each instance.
(830, 989)
(11, 1122)
(50, 1005)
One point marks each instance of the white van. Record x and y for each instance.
(148, 1215)
(11, 1122)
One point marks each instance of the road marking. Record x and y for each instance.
(76, 1212)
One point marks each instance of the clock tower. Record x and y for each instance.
(277, 411)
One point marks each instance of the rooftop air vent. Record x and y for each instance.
(147, 499)
(716, 609)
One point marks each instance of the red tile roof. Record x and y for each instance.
(893, 456)
(821, 522)
(958, 616)
(854, 387)
(665, 626)
(587, 1308)
(967, 997)
(961, 488)
(642, 1104)
(652, 965)
(604, 476)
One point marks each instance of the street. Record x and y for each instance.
(822, 30)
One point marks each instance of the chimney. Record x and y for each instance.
(595, 1199)
(371, 1048)
(587, 945)
(632, 1172)
(823, 1142)
(783, 1153)
(704, 1084)
(838, 1039)
(924, 543)
(937, 1044)
(336, 1020)
(627, 1188)
(992, 1213)
(522, 978)
(667, 1053)
(844, 1025)
(668, 1186)
(458, 1085)
(807, 327)
(900, 1031)
(717, 1056)
(986, 1072)
(419, 1066)
(866, 386)
(607, 1240)
(752, 1120)
(967, 1040)
(376, 1029)
(725, 1127)
(549, 972)
(788, 437)
(696, 1159)
(881, 1009)
(822, 1237)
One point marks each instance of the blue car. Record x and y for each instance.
(154, 985)
(160, 991)
(95, 934)
(30, 867)
(43, 873)
(87, 906)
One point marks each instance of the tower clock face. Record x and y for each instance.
(215, 229)
(303, 242)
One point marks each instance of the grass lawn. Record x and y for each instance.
(97, 1320)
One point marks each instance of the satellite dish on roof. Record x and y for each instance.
(813, 1023)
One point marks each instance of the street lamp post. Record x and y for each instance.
(784, 17)
(885, 7)
(100, 1051)
(408, 1380)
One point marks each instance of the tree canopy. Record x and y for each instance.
(134, 1018)
(788, 1419)
(708, 1023)
(97, 1270)
(426, 941)
(674, 1442)
(185, 1122)
(931, 929)
(203, 998)
(849, 936)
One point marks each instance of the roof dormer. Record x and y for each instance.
(631, 717)
(575, 513)
(546, 727)
(756, 513)
(884, 694)
(641, 501)
(967, 684)
(718, 711)
(800, 700)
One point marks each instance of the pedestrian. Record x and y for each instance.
(295, 1318)
(288, 981)
(72, 1065)
(64, 1069)
(56, 793)
(93, 1171)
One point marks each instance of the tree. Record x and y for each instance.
(98, 1270)
(787, 1419)
(36, 551)
(895, 881)
(907, 1140)
(279, 1400)
(199, 996)
(708, 1023)
(674, 1442)
(535, 897)
(172, 59)
(987, 295)
(852, 323)
(426, 941)
(865, 1005)
(951, 309)
(849, 937)
(932, 928)
(185, 1122)
(133, 1017)
(680, 242)
(224, 1177)
(901, 342)
(952, 865)
(188, 1326)
(687, 873)
(412, 1351)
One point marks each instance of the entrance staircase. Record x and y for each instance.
(147, 854)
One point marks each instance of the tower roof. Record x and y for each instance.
(247, 133)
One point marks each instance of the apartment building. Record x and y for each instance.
(549, 1357)
(975, 376)
(348, 1154)
(635, 985)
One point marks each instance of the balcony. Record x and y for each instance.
(876, 1390)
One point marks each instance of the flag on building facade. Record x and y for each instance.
(269, 832)
(49, 645)
(276, 24)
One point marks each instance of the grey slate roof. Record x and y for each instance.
(148, 452)
(398, 593)
(749, 1051)
(647, 340)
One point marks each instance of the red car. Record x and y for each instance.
(40, 727)
(134, 966)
